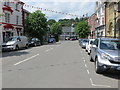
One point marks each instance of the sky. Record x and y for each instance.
(75, 7)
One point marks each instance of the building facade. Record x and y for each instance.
(92, 21)
(26, 15)
(112, 18)
(67, 32)
(12, 20)
(100, 11)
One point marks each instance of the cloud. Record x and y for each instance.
(77, 8)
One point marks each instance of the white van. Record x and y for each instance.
(15, 43)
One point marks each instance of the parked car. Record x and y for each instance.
(34, 42)
(15, 43)
(79, 40)
(88, 45)
(72, 38)
(83, 43)
(105, 53)
(67, 38)
(51, 40)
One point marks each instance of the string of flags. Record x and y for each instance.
(44, 9)
(53, 11)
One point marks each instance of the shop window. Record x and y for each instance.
(7, 17)
(7, 3)
(17, 6)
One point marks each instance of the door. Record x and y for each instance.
(94, 49)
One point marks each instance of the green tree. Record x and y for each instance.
(51, 21)
(76, 19)
(36, 25)
(56, 30)
(82, 29)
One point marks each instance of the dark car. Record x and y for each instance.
(34, 42)
(51, 40)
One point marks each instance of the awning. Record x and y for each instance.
(8, 26)
(18, 28)
(7, 9)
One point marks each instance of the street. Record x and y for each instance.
(60, 65)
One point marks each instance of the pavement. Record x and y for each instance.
(61, 65)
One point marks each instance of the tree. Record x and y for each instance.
(51, 21)
(56, 30)
(76, 19)
(82, 29)
(36, 25)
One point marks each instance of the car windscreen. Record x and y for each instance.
(110, 44)
(33, 39)
(11, 39)
(85, 40)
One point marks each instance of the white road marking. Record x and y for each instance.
(84, 60)
(98, 85)
(86, 65)
(91, 78)
(91, 81)
(48, 50)
(26, 59)
(88, 72)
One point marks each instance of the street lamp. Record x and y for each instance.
(114, 23)
(115, 19)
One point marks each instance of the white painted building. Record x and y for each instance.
(100, 11)
(11, 23)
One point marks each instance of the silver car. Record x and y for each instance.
(105, 52)
(84, 42)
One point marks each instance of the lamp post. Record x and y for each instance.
(114, 23)
(115, 4)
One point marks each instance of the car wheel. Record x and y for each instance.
(89, 52)
(35, 44)
(91, 59)
(39, 44)
(98, 69)
(17, 47)
(26, 46)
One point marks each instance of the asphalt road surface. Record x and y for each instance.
(61, 65)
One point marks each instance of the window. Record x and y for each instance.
(17, 19)
(18, 39)
(119, 6)
(110, 44)
(7, 17)
(7, 3)
(96, 42)
(17, 6)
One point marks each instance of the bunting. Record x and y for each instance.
(52, 11)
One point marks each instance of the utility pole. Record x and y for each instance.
(114, 23)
